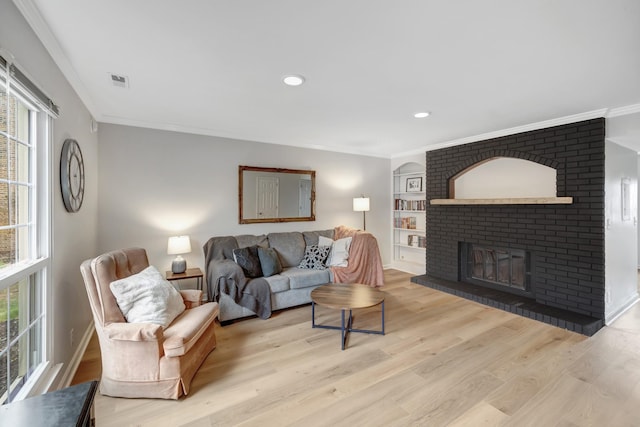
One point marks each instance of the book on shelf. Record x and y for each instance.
(416, 241)
(408, 222)
(410, 205)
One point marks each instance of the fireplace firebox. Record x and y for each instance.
(501, 268)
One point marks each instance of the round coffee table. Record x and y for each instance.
(344, 297)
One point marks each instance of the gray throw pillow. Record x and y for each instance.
(315, 257)
(269, 261)
(248, 259)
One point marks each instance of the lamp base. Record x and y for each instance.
(179, 265)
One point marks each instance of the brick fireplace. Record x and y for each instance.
(563, 243)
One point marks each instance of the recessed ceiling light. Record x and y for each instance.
(293, 80)
(422, 115)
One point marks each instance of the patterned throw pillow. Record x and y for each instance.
(315, 257)
(248, 259)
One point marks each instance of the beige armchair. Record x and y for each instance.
(142, 359)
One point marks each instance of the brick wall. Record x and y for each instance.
(566, 242)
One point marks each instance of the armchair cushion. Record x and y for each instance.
(187, 329)
(146, 297)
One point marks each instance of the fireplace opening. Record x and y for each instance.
(500, 268)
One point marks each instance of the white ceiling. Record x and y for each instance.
(214, 67)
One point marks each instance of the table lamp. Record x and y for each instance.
(361, 204)
(178, 245)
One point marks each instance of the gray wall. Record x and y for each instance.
(621, 235)
(74, 235)
(625, 131)
(154, 184)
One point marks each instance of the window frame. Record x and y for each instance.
(39, 262)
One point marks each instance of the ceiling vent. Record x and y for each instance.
(119, 80)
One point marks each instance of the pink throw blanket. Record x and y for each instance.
(365, 263)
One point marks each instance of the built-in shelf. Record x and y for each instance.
(409, 217)
(506, 201)
(400, 245)
(405, 174)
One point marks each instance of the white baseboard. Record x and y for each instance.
(72, 367)
(619, 312)
(408, 267)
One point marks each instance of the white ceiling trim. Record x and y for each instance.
(224, 134)
(510, 131)
(42, 30)
(623, 111)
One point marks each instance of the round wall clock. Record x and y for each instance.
(72, 175)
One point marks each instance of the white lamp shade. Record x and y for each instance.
(179, 245)
(361, 204)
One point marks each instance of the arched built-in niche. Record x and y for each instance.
(504, 177)
(504, 180)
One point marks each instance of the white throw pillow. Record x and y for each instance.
(147, 297)
(339, 250)
(324, 241)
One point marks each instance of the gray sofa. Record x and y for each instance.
(239, 296)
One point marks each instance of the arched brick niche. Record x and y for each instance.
(503, 177)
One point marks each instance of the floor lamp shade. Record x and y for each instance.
(178, 245)
(361, 204)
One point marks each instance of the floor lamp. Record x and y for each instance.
(361, 204)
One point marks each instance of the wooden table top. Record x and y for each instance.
(190, 273)
(344, 296)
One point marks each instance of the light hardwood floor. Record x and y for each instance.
(444, 361)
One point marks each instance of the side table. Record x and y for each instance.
(190, 273)
(71, 406)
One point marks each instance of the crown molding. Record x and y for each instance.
(115, 120)
(623, 111)
(33, 17)
(510, 131)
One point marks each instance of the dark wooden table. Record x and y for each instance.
(345, 297)
(190, 273)
(71, 406)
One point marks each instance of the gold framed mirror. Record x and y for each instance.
(276, 195)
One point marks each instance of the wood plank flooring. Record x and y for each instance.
(444, 361)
